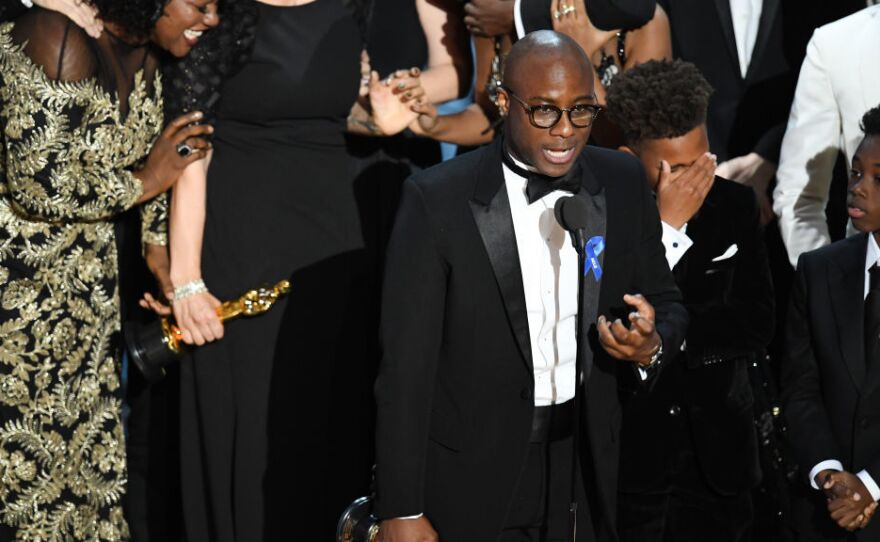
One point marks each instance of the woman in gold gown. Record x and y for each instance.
(81, 121)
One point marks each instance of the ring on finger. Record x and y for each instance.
(557, 14)
(401, 85)
(568, 9)
(184, 149)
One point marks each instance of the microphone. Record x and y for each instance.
(573, 215)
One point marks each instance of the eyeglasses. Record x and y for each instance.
(546, 116)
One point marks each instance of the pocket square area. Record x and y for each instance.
(729, 253)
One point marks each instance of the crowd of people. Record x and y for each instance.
(642, 303)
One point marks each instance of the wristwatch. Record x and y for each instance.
(656, 358)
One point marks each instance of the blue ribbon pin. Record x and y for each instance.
(593, 248)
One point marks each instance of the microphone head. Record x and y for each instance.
(571, 213)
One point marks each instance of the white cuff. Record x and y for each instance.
(870, 484)
(643, 374)
(828, 464)
(27, 3)
(676, 243)
(417, 516)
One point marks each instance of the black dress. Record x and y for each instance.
(395, 41)
(259, 458)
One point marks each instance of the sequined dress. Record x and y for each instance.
(65, 171)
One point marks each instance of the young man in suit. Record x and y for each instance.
(476, 393)
(831, 370)
(697, 419)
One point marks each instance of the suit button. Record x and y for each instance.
(674, 410)
(526, 393)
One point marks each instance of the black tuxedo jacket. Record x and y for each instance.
(704, 394)
(455, 386)
(745, 114)
(831, 396)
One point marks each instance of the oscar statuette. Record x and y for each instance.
(155, 345)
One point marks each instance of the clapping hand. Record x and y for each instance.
(849, 501)
(638, 343)
(390, 111)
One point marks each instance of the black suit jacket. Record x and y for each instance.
(455, 386)
(745, 114)
(831, 397)
(704, 394)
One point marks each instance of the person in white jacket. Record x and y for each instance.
(839, 81)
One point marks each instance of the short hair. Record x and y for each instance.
(871, 122)
(136, 17)
(658, 99)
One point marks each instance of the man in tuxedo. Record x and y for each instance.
(831, 371)
(697, 419)
(749, 53)
(838, 82)
(476, 394)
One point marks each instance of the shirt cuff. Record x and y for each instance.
(676, 243)
(870, 484)
(643, 374)
(417, 516)
(828, 464)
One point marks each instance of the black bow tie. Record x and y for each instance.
(538, 185)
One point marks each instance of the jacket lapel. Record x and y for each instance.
(491, 210)
(593, 195)
(846, 281)
(726, 19)
(765, 28)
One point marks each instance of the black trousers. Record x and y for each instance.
(686, 511)
(539, 509)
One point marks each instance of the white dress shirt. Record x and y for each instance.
(676, 242)
(872, 259)
(746, 15)
(549, 266)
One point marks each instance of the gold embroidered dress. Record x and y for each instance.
(65, 171)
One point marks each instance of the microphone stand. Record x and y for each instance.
(578, 239)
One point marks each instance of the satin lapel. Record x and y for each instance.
(491, 210)
(870, 74)
(594, 195)
(765, 27)
(846, 279)
(726, 20)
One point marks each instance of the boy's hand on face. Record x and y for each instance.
(680, 195)
(849, 501)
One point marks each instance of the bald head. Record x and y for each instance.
(540, 51)
(546, 71)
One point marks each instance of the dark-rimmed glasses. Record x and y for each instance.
(546, 115)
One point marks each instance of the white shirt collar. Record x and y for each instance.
(873, 252)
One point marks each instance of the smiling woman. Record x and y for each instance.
(81, 143)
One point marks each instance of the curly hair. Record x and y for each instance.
(135, 17)
(658, 99)
(871, 122)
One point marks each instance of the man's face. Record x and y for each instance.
(681, 153)
(863, 201)
(561, 80)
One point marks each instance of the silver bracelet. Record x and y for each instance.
(191, 288)
(27, 3)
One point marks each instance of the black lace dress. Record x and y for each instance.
(79, 115)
